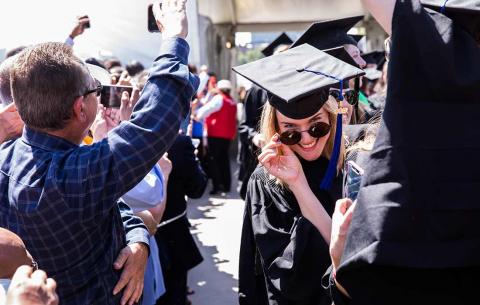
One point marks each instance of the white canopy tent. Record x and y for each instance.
(276, 15)
(119, 26)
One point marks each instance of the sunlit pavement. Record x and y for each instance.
(216, 226)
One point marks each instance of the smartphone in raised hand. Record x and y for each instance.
(86, 25)
(111, 96)
(152, 22)
(353, 179)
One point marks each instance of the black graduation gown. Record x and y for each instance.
(283, 256)
(179, 252)
(414, 236)
(254, 101)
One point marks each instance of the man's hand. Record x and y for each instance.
(79, 27)
(127, 104)
(31, 288)
(172, 18)
(133, 260)
(102, 125)
(11, 124)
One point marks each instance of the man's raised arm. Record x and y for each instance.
(132, 149)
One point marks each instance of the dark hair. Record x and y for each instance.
(45, 80)
(134, 67)
(141, 79)
(14, 51)
(112, 63)
(192, 68)
(95, 62)
(116, 71)
(5, 93)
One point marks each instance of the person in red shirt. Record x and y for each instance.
(220, 120)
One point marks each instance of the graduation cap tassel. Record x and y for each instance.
(332, 165)
(442, 10)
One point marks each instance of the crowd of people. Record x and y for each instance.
(353, 194)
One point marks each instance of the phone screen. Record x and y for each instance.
(111, 96)
(353, 179)
(152, 22)
(86, 25)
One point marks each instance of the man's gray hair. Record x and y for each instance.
(5, 93)
(46, 79)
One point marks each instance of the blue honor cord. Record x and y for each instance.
(332, 164)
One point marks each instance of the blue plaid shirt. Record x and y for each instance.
(61, 199)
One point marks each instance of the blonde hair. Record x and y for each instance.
(366, 144)
(269, 127)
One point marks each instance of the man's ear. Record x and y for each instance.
(79, 110)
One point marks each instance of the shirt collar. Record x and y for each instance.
(45, 141)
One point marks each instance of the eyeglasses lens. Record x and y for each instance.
(317, 130)
(290, 137)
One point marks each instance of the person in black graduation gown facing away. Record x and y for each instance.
(178, 251)
(414, 235)
(290, 197)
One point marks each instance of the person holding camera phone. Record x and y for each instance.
(66, 194)
(81, 23)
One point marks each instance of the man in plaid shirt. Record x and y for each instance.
(61, 198)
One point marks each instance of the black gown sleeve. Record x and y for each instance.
(328, 283)
(432, 57)
(197, 179)
(254, 101)
(293, 253)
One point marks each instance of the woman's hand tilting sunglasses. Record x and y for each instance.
(351, 96)
(317, 130)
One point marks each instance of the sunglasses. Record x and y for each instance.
(97, 90)
(351, 96)
(317, 130)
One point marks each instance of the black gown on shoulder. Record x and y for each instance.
(254, 101)
(414, 236)
(283, 256)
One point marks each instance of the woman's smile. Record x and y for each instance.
(308, 146)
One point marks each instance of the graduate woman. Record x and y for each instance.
(291, 195)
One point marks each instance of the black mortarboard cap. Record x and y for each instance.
(357, 37)
(329, 34)
(374, 58)
(298, 80)
(464, 12)
(283, 39)
(342, 54)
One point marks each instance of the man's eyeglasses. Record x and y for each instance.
(317, 130)
(351, 96)
(34, 265)
(98, 89)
